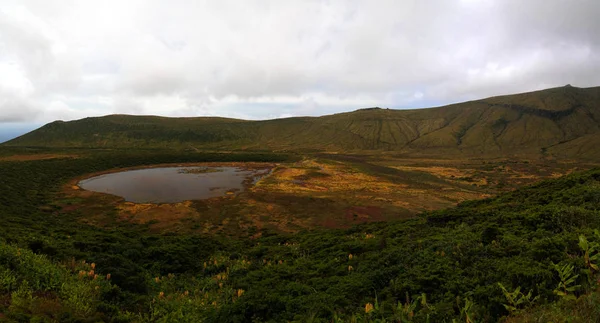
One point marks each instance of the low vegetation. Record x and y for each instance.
(34, 288)
(525, 254)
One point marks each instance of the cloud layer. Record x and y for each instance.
(266, 59)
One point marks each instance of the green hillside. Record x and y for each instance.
(562, 122)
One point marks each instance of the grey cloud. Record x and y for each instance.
(15, 109)
(541, 22)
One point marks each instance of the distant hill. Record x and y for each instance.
(561, 122)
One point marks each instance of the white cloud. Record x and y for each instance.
(262, 59)
(14, 80)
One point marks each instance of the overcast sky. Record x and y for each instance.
(268, 59)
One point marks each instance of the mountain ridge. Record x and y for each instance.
(560, 122)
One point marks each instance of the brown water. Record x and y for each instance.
(173, 184)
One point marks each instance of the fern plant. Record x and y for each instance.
(516, 299)
(566, 286)
(467, 311)
(405, 312)
(591, 252)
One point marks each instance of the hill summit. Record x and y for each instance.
(560, 122)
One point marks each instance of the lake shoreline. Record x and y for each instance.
(174, 183)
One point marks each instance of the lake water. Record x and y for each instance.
(173, 184)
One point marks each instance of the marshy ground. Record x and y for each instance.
(324, 191)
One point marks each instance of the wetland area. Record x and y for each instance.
(326, 191)
(173, 184)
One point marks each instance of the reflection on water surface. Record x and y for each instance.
(173, 184)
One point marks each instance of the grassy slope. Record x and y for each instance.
(560, 121)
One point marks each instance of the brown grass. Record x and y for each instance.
(162, 215)
(312, 193)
